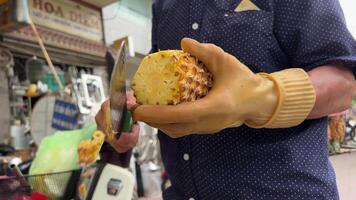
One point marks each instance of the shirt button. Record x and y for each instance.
(191, 199)
(195, 26)
(186, 157)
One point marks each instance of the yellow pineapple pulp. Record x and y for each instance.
(88, 150)
(170, 77)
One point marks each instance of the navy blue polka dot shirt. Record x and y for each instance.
(244, 163)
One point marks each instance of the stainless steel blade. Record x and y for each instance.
(118, 91)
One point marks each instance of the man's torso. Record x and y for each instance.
(241, 163)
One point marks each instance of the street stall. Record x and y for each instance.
(53, 78)
(73, 35)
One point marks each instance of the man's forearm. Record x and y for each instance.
(334, 87)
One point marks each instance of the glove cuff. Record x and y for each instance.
(296, 98)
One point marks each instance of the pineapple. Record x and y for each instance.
(170, 77)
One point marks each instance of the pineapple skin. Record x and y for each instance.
(88, 150)
(170, 77)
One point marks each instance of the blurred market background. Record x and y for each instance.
(77, 35)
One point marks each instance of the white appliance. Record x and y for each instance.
(105, 181)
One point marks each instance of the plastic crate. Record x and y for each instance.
(56, 186)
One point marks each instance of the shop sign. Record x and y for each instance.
(65, 115)
(67, 16)
(60, 15)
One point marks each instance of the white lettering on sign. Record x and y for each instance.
(67, 16)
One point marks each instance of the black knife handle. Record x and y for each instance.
(109, 155)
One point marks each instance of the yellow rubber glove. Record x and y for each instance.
(277, 100)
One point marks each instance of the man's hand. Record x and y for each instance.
(335, 87)
(236, 95)
(127, 140)
(279, 100)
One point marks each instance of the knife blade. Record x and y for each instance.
(120, 117)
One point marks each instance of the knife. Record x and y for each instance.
(119, 119)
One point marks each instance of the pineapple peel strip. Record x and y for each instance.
(109, 133)
(88, 150)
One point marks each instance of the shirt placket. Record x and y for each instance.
(186, 159)
(196, 8)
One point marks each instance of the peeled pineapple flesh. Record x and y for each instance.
(170, 77)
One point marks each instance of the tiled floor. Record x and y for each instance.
(345, 168)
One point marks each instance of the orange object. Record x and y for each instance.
(336, 129)
(32, 90)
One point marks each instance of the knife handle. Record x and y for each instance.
(127, 125)
(124, 158)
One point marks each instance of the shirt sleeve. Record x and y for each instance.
(313, 33)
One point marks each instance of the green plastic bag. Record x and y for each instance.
(57, 153)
